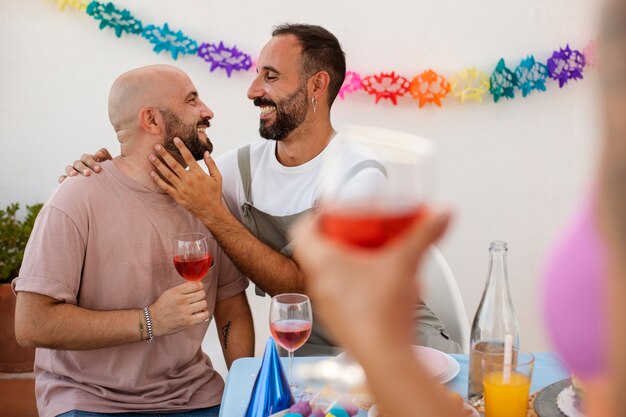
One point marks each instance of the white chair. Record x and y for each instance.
(441, 293)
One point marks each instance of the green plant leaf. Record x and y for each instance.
(14, 235)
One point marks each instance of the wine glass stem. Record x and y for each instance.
(289, 367)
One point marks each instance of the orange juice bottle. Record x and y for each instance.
(506, 399)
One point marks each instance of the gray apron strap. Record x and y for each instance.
(248, 219)
(243, 159)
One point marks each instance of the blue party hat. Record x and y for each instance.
(271, 392)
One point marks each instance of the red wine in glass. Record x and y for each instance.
(192, 259)
(291, 334)
(367, 227)
(374, 185)
(192, 269)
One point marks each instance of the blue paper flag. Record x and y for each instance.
(531, 75)
(119, 20)
(165, 39)
(503, 82)
(271, 392)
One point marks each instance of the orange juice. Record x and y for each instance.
(506, 399)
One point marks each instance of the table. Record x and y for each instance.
(548, 369)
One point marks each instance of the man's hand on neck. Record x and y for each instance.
(138, 169)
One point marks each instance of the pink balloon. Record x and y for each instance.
(575, 296)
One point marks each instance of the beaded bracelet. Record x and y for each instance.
(146, 315)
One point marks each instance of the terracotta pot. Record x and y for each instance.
(13, 357)
(17, 395)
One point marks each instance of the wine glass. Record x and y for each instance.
(191, 255)
(290, 323)
(374, 185)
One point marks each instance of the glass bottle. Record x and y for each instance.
(494, 319)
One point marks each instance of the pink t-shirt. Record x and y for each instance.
(103, 242)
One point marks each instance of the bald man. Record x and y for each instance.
(116, 329)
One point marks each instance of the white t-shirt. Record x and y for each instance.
(282, 191)
(279, 190)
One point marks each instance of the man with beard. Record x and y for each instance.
(270, 183)
(98, 294)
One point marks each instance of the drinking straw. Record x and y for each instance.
(314, 398)
(332, 405)
(508, 358)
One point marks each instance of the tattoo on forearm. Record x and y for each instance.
(226, 333)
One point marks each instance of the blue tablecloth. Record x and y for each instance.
(548, 369)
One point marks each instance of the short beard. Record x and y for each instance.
(290, 114)
(175, 128)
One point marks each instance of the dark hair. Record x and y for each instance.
(321, 51)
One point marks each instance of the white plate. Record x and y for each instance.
(373, 412)
(453, 370)
(435, 362)
(441, 366)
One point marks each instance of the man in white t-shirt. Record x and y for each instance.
(268, 184)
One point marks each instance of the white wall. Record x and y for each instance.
(512, 171)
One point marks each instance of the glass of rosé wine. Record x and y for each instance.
(192, 259)
(291, 320)
(374, 185)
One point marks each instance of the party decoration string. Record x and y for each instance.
(165, 39)
(470, 84)
(80, 5)
(219, 56)
(428, 87)
(119, 20)
(531, 75)
(503, 82)
(566, 64)
(351, 83)
(386, 85)
(591, 54)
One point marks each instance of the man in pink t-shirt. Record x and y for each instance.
(116, 329)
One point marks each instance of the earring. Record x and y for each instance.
(314, 102)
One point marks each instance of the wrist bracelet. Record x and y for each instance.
(146, 315)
